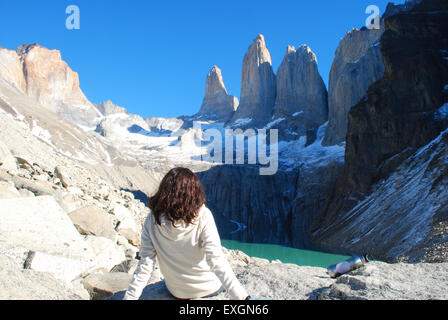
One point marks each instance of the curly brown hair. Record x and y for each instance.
(179, 197)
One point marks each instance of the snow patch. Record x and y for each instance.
(442, 112)
(273, 123)
(41, 133)
(242, 122)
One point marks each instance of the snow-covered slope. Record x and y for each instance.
(406, 214)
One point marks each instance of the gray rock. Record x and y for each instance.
(127, 226)
(381, 281)
(39, 188)
(93, 221)
(61, 268)
(64, 176)
(107, 253)
(102, 286)
(41, 225)
(128, 266)
(19, 284)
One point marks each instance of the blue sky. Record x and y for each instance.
(152, 57)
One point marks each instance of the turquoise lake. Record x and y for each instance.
(285, 254)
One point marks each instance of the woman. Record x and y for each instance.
(181, 232)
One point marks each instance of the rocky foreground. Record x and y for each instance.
(66, 234)
(272, 280)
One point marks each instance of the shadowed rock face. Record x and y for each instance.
(217, 104)
(358, 63)
(405, 109)
(258, 85)
(261, 203)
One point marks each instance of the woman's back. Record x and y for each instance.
(180, 232)
(181, 256)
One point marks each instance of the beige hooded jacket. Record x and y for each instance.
(190, 258)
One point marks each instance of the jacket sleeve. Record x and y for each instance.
(211, 244)
(145, 267)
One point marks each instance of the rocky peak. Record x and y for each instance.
(301, 92)
(108, 107)
(258, 86)
(25, 48)
(214, 84)
(48, 77)
(42, 75)
(217, 104)
(393, 9)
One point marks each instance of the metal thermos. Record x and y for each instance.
(343, 267)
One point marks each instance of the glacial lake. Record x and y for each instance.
(285, 254)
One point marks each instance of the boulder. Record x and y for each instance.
(93, 221)
(61, 268)
(19, 284)
(40, 225)
(102, 286)
(64, 176)
(128, 266)
(127, 226)
(39, 188)
(382, 281)
(107, 253)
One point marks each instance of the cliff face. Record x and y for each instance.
(401, 112)
(249, 207)
(258, 86)
(217, 103)
(358, 63)
(11, 69)
(45, 77)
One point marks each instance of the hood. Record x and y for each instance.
(177, 232)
